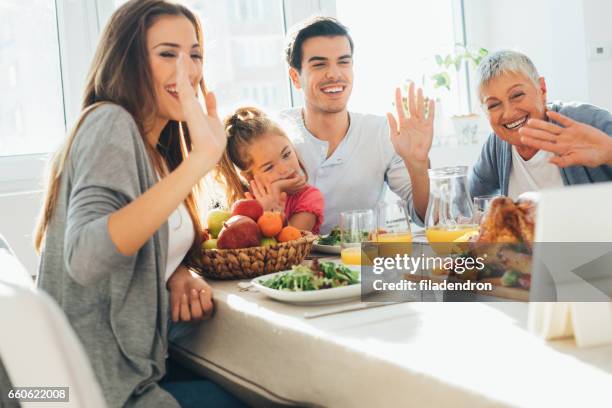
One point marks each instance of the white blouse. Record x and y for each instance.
(180, 238)
(534, 174)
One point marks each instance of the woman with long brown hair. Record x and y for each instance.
(121, 210)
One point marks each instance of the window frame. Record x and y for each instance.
(77, 30)
(79, 24)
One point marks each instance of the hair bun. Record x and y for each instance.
(249, 112)
(240, 118)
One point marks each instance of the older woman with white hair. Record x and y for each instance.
(513, 96)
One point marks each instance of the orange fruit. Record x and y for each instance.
(270, 224)
(289, 233)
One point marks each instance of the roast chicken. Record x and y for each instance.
(508, 222)
(505, 241)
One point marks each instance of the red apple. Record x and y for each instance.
(239, 232)
(248, 208)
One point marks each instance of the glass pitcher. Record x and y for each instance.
(450, 211)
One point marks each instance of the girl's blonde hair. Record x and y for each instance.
(244, 127)
(120, 74)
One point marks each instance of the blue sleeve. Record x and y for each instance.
(483, 178)
(589, 114)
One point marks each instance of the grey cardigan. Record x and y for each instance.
(118, 305)
(491, 173)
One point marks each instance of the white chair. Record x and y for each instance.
(38, 347)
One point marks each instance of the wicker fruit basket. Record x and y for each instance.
(249, 263)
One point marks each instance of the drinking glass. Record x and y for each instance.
(481, 205)
(356, 227)
(392, 232)
(482, 202)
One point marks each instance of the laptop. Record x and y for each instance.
(573, 244)
(571, 283)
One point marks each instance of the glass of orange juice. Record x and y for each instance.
(392, 233)
(450, 211)
(355, 228)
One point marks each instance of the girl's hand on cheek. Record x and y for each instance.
(291, 185)
(190, 297)
(269, 197)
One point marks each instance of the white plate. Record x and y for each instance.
(320, 296)
(326, 249)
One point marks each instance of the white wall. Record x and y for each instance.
(552, 33)
(598, 23)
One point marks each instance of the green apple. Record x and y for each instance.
(268, 242)
(210, 244)
(216, 218)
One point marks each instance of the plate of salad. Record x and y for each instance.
(328, 244)
(322, 282)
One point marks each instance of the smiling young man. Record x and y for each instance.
(350, 156)
(514, 97)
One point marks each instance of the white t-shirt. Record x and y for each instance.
(180, 238)
(534, 174)
(354, 176)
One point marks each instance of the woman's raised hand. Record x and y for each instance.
(574, 143)
(412, 135)
(205, 129)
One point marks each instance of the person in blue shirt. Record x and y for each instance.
(514, 97)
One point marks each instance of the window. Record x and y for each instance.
(244, 53)
(397, 41)
(250, 10)
(262, 51)
(243, 42)
(31, 105)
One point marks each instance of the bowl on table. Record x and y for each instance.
(248, 263)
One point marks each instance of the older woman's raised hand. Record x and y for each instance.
(412, 134)
(205, 128)
(574, 143)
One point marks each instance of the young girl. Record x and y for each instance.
(263, 154)
(120, 212)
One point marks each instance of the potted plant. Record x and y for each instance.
(466, 126)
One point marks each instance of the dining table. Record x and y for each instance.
(421, 354)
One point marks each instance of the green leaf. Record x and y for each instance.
(448, 61)
(441, 79)
(510, 278)
(439, 60)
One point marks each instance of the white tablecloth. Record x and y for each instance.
(411, 354)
